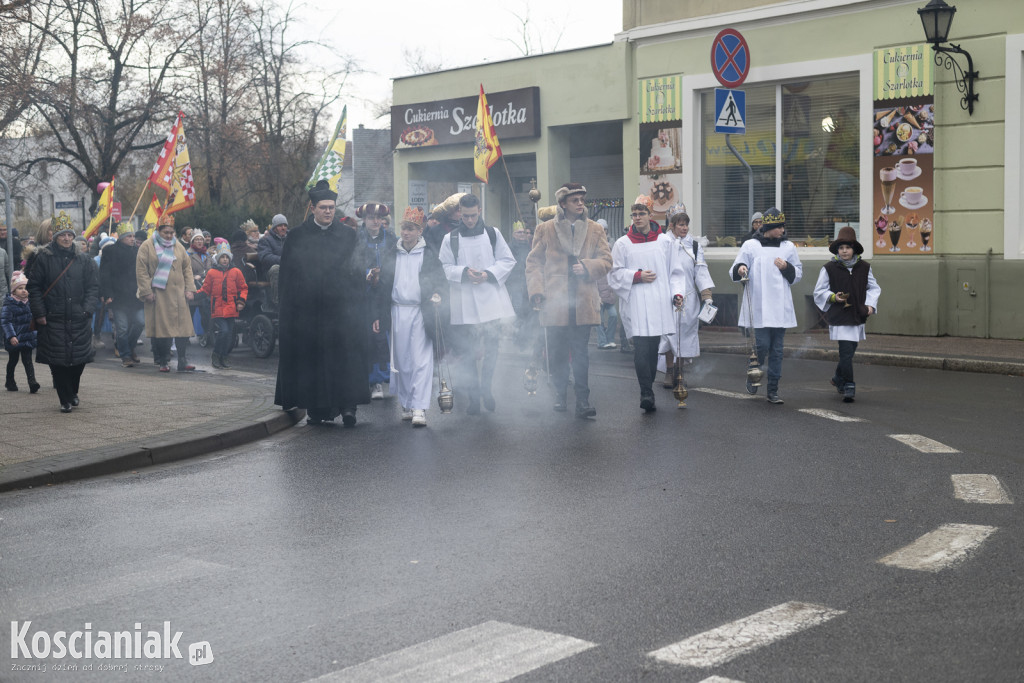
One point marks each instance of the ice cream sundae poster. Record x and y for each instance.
(903, 141)
(661, 128)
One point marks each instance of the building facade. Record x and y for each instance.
(847, 120)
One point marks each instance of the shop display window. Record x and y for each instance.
(809, 166)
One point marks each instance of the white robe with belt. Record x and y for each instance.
(688, 276)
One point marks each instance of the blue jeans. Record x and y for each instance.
(609, 321)
(128, 325)
(223, 328)
(770, 344)
(568, 344)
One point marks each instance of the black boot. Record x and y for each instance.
(11, 384)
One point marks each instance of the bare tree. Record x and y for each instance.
(105, 78)
(529, 39)
(23, 47)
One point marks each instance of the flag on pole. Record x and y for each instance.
(152, 216)
(329, 167)
(102, 211)
(486, 150)
(173, 170)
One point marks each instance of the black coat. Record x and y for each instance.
(66, 338)
(323, 319)
(117, 276)
(432, 281)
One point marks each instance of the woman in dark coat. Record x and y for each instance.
(63, 293)
(323, 317)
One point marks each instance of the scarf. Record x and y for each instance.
(165, 259)
(198, 250)
(637, 237)
(15, 295)
(849, 264)
(571, 235)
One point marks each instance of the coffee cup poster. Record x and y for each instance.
(661, 128)
(903, 139)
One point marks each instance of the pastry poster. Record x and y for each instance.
(661, 128)
(903, 140)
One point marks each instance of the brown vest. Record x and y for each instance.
(855, 283)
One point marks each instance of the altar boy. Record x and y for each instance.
(412, 284)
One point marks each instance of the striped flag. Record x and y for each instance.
(152, 217)
(329, 168)
(486, 150)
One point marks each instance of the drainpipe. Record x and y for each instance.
(988, 294)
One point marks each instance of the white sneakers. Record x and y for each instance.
(406, 414)
(419, 418)
(377, 391)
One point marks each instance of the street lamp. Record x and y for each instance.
(936, 17)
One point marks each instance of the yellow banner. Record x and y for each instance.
(902, 72)
(660, 99)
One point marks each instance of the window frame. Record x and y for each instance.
(694, 85)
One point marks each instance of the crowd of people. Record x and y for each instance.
(360, 307)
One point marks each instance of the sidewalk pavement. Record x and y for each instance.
(131, 418)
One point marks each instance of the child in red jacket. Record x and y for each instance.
(225, 285)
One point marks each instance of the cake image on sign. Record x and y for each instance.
(663, 195)
(418, 136)
(662, 157)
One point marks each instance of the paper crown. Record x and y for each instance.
(166, 219)
(646, 201)
(676, 209)
(62, 222)
(414, 215)
(125, 228)
(773, 218)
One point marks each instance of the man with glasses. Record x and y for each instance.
(570, 255)
(323, 317)
(477, 261)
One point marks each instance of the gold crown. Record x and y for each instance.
(62, 221)
(414, 215)
(773, 217)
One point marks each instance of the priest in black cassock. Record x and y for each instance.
(323, 317)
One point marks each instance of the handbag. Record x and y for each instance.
(32, 324)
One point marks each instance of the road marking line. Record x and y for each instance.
(939, 549)
(923, 443)
(491, 651)
(726, 394)
(725, 643)
(720, 679)
(831, 415)
(979, 488)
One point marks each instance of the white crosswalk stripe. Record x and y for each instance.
(923, 443)
(831, 415)
(726, 394)
(719, 679)
(939, 549)
(979, 488)
(491, 651)
(725, 643)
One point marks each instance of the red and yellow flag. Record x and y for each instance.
(173, 169)
(102, 211)
(486, 150)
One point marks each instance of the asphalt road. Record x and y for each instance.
(531, 543)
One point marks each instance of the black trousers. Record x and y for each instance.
(66, 379)
(25, 354)
(162, 350)
(645, 360)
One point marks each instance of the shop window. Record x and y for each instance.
(808, 166)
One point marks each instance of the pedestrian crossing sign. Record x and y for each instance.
(730, 111)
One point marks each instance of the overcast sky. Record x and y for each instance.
(452, 33)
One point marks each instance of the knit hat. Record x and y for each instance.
(773, 218)
(756, 217)
(321, 192)
(62, 223)
(17, 279)
(106, 242)
(223, 250)
(373, 209)
(277, 220)
(567, 190)
(847, 235)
